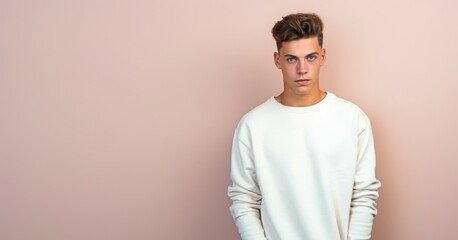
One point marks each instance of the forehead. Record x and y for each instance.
(301, 46)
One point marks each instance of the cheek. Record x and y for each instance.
(289, 71)
(290, 68)
(315, 67)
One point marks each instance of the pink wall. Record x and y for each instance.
(117, 116)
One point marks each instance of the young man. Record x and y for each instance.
(303, 162)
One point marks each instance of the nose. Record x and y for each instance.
(302, 67)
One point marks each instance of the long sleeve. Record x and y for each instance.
(304, 172)
(366, 186)
(244, 193)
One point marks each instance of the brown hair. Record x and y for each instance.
(297, 26)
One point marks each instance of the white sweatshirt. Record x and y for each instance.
(304, 173)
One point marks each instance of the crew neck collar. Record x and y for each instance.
(302, 109)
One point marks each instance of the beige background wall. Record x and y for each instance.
(117, 116)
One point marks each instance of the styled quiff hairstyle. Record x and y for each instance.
(297, 26)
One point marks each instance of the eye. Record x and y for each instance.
(290, 60)
(312, 58)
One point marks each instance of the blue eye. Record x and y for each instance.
(312, 58)
(291, 60)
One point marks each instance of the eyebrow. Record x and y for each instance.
(308, 55)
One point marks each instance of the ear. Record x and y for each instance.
(323, 56)
(277, 60)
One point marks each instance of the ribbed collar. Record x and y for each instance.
(329, 96)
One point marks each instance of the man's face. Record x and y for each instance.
(300, 62)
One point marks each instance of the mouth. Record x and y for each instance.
(302, 82)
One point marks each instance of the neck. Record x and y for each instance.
(300, 101)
